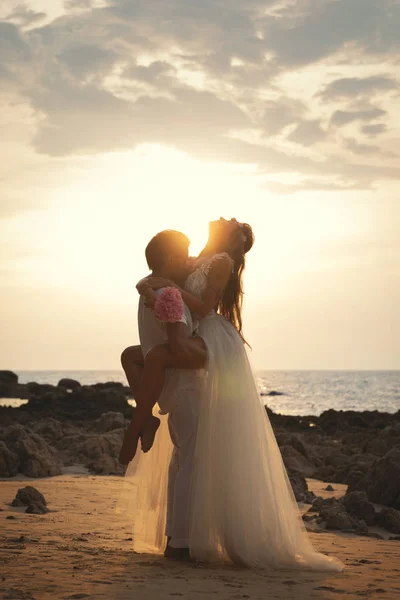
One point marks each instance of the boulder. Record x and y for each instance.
(357, 466)
(299, 485)
(109, 421)
(37, 508)
(86, 403)
(29, 495)
(17, 502)
(333, 512)
(309, 497)
(35, 457)
(8, 461)
(320, 503)
(8, 377)
(50, 429)
(98, 453)
(389, 518)
(38, 389)
(357, 505)
(69, 384)
(296, 442)
(295, 461)
(336, 519)
(385, 441)
(382, 483)
(109, 385)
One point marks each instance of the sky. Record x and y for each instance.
(120, 118)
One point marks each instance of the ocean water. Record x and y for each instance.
(303, 392)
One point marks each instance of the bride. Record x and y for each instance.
(242, 504)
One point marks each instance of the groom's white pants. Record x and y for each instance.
(182, 423)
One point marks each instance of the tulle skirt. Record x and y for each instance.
(242, 507)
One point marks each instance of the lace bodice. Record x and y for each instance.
(196, 283)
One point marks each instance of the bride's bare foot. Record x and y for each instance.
(129, 445)
(148, 433)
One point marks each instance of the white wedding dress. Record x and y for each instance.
(242, 505)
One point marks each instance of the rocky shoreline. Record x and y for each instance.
(67, 425)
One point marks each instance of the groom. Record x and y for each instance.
(167, 255)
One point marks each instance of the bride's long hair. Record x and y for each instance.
(236, 245)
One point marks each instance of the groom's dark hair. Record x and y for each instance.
(164, 243)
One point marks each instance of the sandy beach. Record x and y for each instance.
(82, 549)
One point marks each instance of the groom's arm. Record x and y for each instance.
(185, 352)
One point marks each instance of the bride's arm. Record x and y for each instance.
(217, 280)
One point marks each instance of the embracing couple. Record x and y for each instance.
(220, 490)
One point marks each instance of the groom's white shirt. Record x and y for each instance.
(152, 333)
(181, 399)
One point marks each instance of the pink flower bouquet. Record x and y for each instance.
(168, 307)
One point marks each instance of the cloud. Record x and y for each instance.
(90, 119)
(308, 132)
(205, 78)
(280, 113)
(344, 117)
(13, 48)
(284, 189)
(85, 59)
(24, 16)
(306, 32)
(374, 130)
(357, 148)
(354, 87)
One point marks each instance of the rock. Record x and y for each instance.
(357, 505)
(9, 385)
(361, 527)
(320, 503)
(8, 377)
(382, 483)
(272, 393)
(83, 404)
(329, 488)
(296, 442)
(307, 517)
(109, 385)
(309, 497)
(325, 473)
(69, 384)
(50, 429)
(35, 457)
(385, 441)
(98, 453)
(37, 508)
(110, 421)
(299, 485)
(389, 518)
(294, 461)
(17, 502)
(354, 470)
(8, 461)
(335, 516)
(39, 389)
(29, 495)
(316, 505)
(339, 520)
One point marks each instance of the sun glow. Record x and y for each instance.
(91, 240)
